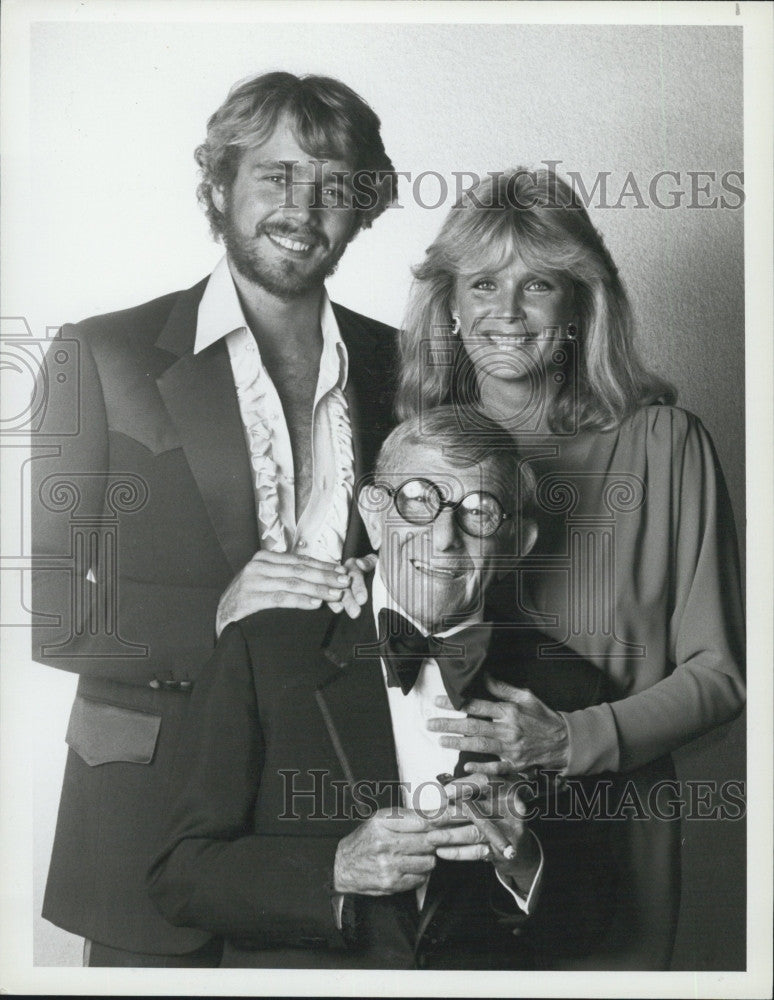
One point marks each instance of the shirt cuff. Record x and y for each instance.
(593, 741)
(526, 904)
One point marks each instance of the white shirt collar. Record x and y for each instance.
(334, 362)
(382, 598)
(219, 310)
(220, 313)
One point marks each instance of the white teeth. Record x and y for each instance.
(507, 343)
(289, 244)
(433, 570)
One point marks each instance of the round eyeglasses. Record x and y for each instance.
(420, 501)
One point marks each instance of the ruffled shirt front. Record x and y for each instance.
(322, 527)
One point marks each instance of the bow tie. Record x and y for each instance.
(405, 648)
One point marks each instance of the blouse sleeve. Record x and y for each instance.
(702, 684)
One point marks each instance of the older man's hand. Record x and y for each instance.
(500, 803)
(395, 850)
(523, 732)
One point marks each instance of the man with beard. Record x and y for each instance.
(221, 433)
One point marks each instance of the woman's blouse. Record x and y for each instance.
(636, 569)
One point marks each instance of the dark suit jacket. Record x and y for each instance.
(138, 408)
(294, 701)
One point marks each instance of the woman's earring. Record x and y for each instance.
(456, 325)
(572, 331)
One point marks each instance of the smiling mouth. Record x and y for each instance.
(436, 571)
(510, 342)
(294, 246)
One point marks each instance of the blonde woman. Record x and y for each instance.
(518, 309)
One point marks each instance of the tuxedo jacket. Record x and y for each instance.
(142, 512)
(287, 746)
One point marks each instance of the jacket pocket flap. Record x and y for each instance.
(101, 733)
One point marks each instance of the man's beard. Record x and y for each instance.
(283, 279)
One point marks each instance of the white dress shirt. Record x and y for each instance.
(420, 756)
(322, 526)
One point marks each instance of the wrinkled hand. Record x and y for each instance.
(499, 802)
(522, 731)
(291, 580)
(394, 851)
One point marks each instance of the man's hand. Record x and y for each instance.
(290, 580)
(520, 729)
(501, 805)
(395, 850)
(387, 853)
(357, 594)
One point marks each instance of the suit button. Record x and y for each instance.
(155, 684)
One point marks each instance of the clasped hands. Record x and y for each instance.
(396, 849)
(518, 728)
(292, 580)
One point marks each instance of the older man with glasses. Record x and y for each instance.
(313, 828)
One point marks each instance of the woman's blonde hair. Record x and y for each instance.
(537, 215)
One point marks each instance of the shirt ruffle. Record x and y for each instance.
(330, 540)
(255, 395)
(252, 388)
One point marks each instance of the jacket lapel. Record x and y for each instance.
(198, 392)
(370, 398)
(353, 702)
(354, 706)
